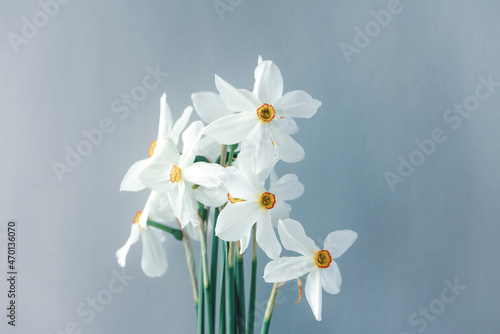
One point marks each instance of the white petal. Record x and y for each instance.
(185, 206)
(339, 241)
(236, 99)
(232, 129)
(288, 149)
(259, 149)
(287, 188)
(154, 261)
(204, 174)
(131, 181)
(294, 238)
(238, 186)
(236, 220)
(314, 292)
(190, 138)
(121, 254)
(208, 147)
(166, 150)
(290, 125)
(157, 176)
(297, 104)
(331, 278)
(213, 197)
(209, 106)
(266, 237)
(287, 268)
(180, 124)
(245, 241)
(165, 123)
(281, 210)
(268, 82)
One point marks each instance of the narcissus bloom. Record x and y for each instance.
(167, 130)
(176, 174)
(323, 271)
(264, 118)
(250, 203)
(154, 261)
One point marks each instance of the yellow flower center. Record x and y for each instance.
(175, 174)
(137, 217)
(266, 112)
(152, 148)
(268, 200)
(234, 200)
(323, 259)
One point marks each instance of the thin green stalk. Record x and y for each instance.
(231, 154)
(206, 280)
(201, 307)
(253, 285)
(191, 267)
(222, 308)
(230, 307)
(175, 232)
(240, 291)
(213, 266)
(270, 308)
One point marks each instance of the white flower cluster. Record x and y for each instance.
(256, 127)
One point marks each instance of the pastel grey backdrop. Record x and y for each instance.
(441, 224)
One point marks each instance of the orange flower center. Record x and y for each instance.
(323, 259)
(175, 174)
(268, 200)
(234, 200)
(266, 113)
(137, 217)
(152, 148)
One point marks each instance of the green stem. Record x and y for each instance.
(270, 308)
(201, 308)
(253, 285)
(222, 308)
(213, 266)
(206, 280)
(240, 291)
(175, 232)
(191, 267)
(231, 154)
(230, 289)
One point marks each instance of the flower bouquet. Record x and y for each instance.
(222, 191)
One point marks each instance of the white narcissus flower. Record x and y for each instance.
(250, 203)
(176, 174)
(323, 271)
(264, 118)
(166, 130)
(154, 261)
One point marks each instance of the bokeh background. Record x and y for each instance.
(439, 227)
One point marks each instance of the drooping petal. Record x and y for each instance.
(268, 82)
(154, 260)
(209, 106)
(297, 104)
(259, 149)
(266, 237)
(314, 292)
(287, 187)
(288, 149)
(190, 138)
(331, 278)
(185, 207)
(121, 254)
(131, 181)
(287, 268)
(245, 241)
(236, 220)
(339, 241)
(204, 174)
(180, 124)
(294, 238)
(232, 129)
(236, 99)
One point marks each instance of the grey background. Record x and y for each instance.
(440, 224)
